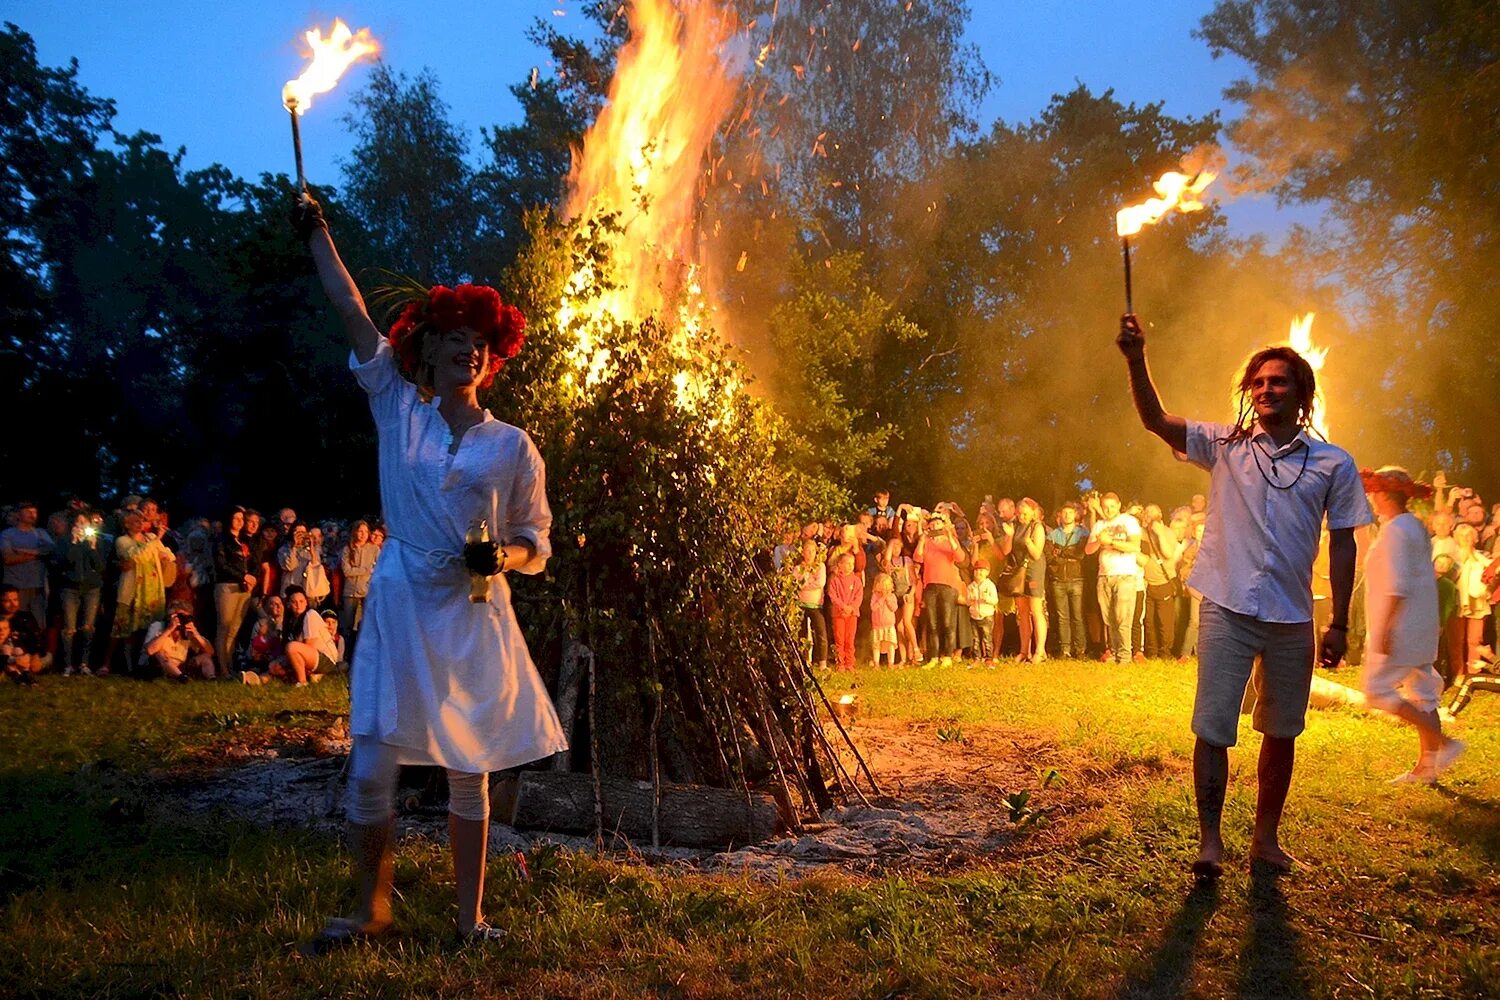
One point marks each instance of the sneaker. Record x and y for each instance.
(69, 671)
(1450, 752)
(945, 661)
(85, 672)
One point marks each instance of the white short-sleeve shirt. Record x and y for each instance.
(1266, 509)
(1398, 565)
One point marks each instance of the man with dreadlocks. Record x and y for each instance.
(439, 678)
(1272, 484)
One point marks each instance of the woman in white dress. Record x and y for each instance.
(439, 679)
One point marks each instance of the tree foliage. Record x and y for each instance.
(1386, 115)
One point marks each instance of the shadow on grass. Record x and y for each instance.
(1271, 958)
(1468, 821)
(1166, 974)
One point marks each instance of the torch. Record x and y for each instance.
(331, 56)
(1174, 190)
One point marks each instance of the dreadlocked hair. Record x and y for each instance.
(1303, 378)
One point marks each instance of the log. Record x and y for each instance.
(691, 815)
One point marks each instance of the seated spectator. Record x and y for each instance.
(176, 648)
(331, 622)
(266, 646)
(13, 657)
(25, 633)
(310, 651)
(81, 559)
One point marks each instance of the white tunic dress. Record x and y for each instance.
(445, 680)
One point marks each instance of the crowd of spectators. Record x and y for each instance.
(129, 593)
(1096, 578)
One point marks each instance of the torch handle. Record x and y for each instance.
(297, 147)
(1125, 248)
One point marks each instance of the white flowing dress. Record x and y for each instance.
(444, 680)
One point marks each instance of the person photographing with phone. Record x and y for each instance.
(176, 648)
(1272, 484)
(940, 554)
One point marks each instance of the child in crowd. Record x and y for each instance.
(331, 622)
(10, 653)
(845, 593)
(265, 648)
(984, 599)
(883, 619)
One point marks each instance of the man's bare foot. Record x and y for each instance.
(1272, 856)
(1210, 863)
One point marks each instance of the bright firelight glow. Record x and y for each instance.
(645, 160)
(331, 56)
(1300, 340)
(1175, 191)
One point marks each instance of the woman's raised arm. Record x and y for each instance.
(307, 216)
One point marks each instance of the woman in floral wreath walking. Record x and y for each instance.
(438, 679)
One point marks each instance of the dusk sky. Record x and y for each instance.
(208, 76)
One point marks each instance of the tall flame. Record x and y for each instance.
(1300, 340)
(331, 56)
(1174, 190)
(644, 159)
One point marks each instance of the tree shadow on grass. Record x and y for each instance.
(1166, 974)
(1271, 959)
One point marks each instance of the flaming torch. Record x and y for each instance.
(331, 56)
(1174, 190)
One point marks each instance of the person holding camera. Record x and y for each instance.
(82, 561)
(440, 678)
(940, 554)
(176, 649)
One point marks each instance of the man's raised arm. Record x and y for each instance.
(1168, 426)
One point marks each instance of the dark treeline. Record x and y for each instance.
(930, 303)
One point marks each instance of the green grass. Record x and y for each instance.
(105, 893)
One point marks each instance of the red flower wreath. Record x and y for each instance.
(477, 307)
(1394, 481)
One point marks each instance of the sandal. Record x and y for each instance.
(481, 932)
(339, 932)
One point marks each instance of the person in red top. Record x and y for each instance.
(846, 592)
(940, 555)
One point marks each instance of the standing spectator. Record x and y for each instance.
(1452, 627)
(1272, 486)
(357, 562)
(24, 548)
(175, 648)
(883, 609)
(1161, 550)
(317, 584)
(882, 507)
(845, 593)
(1402, 617)
(811, 577)
(1065, 579)
(1473, 594)
(141, 596)
(939, 553)
(265, 561)
(294, 558)
(983, 598)
(233, 583)
(1031, 608)
(899, 567)
(1117, 539)
(1441, 524)
(82, 560)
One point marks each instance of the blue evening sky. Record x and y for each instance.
(207, 75)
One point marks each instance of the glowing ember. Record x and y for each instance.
(331, 56)
(1300, 339)
(644, 159)
(1175, 191)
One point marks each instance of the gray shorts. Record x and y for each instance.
(1231, 649)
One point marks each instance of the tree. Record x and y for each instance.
(1384, 114)
(407, 179)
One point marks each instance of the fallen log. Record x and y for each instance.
(691, 815)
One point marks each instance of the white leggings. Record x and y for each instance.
(372, 786)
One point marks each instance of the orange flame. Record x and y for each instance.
(644, 159)
(1174, 191)
(1300, 340)
(331, 56)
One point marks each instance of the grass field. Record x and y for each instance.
(108, 891)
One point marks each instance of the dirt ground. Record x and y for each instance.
(947, 797)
